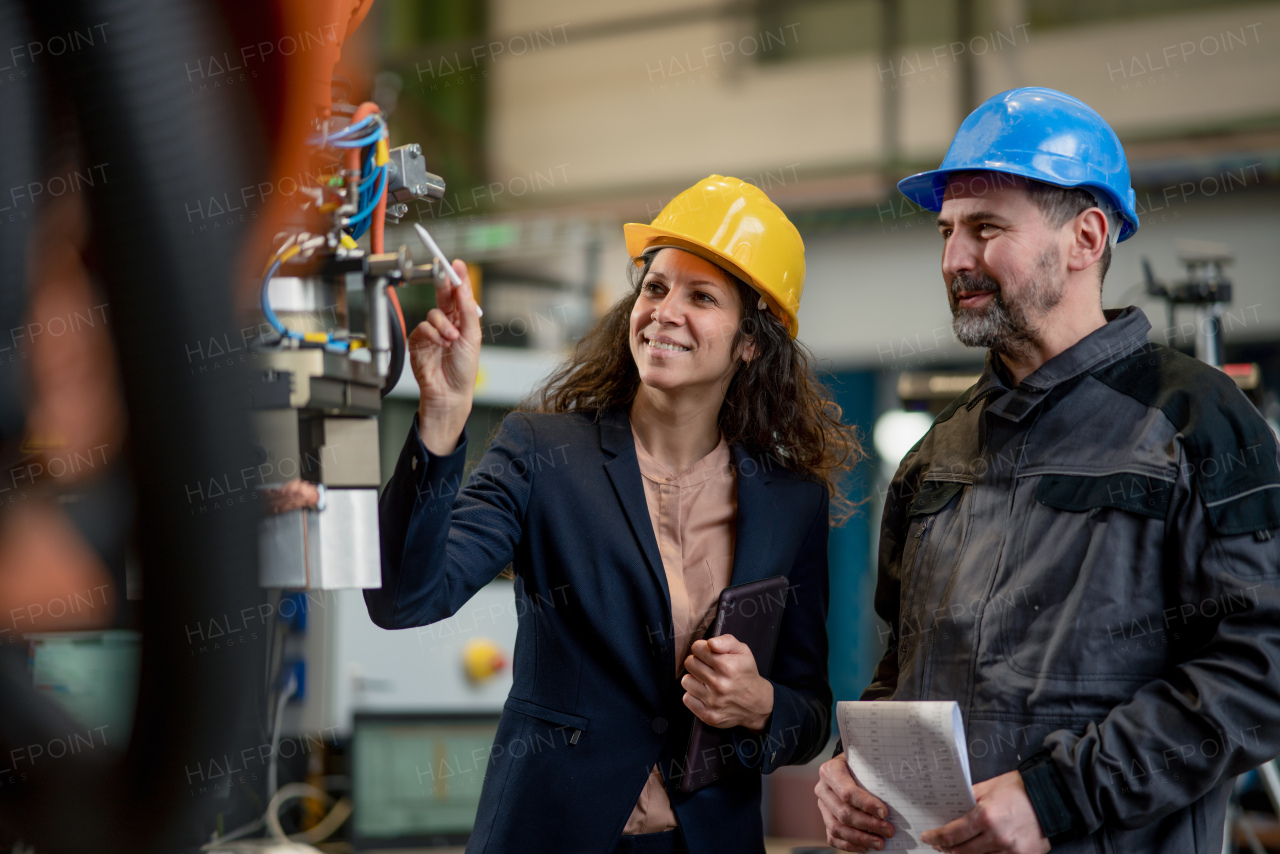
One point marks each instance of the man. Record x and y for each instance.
(1081, 551)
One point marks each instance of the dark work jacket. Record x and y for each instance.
(595, 703)
(1087, 563)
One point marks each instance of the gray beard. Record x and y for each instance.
(1007, 326)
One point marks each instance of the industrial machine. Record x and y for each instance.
(1207, 291)
(333, 344)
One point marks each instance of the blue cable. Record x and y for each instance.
(285, 332)
(353, 128)
(266, 305)
(365, 198)
(368, 169)
(357, 227)
(364, 214)
(345, 138)
(349, 140)
(356, 143)
(346, 133)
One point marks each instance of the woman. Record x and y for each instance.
(685, 446)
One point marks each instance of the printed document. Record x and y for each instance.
(912, 756)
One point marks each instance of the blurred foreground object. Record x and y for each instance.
(105, 429)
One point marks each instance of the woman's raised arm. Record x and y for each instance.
(442, 542)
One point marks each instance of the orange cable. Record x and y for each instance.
(376, 228)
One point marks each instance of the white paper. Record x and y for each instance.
(912, 756)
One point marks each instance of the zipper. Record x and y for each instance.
(916, 561)
(924, 627)
(923, 528)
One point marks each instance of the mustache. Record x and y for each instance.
(973, 283)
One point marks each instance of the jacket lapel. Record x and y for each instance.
(624, 472)
(757, 513)
(757, 508)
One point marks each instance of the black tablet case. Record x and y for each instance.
(752, 613)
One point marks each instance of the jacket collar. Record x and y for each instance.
(1125, 331)
(757, 506)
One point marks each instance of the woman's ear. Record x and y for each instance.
(748, 351)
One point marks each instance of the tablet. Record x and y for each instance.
(752, 613)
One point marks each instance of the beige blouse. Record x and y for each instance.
(693, 515)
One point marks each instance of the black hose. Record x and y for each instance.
(397, 352)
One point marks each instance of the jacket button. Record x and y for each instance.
(659, 725)
(413, 463)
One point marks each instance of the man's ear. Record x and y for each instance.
(1090, 235)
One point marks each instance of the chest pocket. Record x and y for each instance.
(933, 496)
(1146, 496)
(1079, 604)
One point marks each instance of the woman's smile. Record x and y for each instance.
(660, 345)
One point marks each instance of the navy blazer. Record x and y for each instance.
(595, 703)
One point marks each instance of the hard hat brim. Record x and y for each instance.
(927, 189)
(641, 238)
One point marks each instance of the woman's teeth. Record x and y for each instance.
(662, 345)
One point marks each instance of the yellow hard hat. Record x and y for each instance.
(733, 225)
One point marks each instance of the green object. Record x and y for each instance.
(489, 238)
(92, 675)
(419, 778)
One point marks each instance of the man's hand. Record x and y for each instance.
(723, 687)
(852, 815)
(1003, 822)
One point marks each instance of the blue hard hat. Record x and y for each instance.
(1037, 133)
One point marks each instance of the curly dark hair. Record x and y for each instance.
(775, 405)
